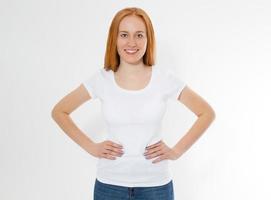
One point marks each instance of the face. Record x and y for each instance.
(131, 40)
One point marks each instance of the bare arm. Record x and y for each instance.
(60, 113)
(205, 114)
(64, 108)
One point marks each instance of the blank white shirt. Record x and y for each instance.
(133, 119)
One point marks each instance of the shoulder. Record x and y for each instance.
(99, 74)
(165, 73)
(103, 73)
(159, 71)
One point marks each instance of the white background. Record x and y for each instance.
(221, 49)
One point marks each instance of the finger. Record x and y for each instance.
(154, 149)
(154, 154)
(108, 156)
(114, 149)
(111, 145)
(153, 145)
(116, 153)
(115, 145)
(156, 160)
(163, 157)
(108, 147)
(113, 153)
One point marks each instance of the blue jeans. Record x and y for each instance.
(103, 191)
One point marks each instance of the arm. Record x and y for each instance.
(62, 110)
(206, 116)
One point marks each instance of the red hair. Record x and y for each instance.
(112, 58)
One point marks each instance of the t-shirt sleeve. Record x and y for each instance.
(174, 85)
(93, 84)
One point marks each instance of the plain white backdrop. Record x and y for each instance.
(221, 49)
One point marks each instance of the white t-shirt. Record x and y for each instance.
(133, 119)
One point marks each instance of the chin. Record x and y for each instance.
(133, 62)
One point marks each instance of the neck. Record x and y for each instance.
(131, 68)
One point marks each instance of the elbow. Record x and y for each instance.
(212, 114)
(55, 112)
(58, 111)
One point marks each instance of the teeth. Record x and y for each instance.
(131, 51)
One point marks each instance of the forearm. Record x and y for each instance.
(198, 128)
(69, 127)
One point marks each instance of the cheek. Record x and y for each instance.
(143, 43)
(121, 43)
(120, 46)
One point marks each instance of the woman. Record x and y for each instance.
(133, 161)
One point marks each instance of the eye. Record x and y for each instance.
(123, 35)
(140, 35)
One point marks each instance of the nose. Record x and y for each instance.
(131, 41)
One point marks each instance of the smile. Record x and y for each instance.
(131, 51)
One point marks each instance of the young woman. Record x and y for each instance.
(133, 161)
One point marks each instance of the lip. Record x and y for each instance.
(131, 50)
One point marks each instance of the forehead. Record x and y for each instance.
(132, 23)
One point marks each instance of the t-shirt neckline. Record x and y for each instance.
(133, 91)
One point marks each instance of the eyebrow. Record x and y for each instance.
(136, 31)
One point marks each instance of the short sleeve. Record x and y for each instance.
(173, 86)
(93, 84)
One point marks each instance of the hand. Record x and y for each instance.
(162, 151)
(106, 149)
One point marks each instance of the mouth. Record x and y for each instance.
(131, 51)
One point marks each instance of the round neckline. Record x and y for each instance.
(133, 91)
